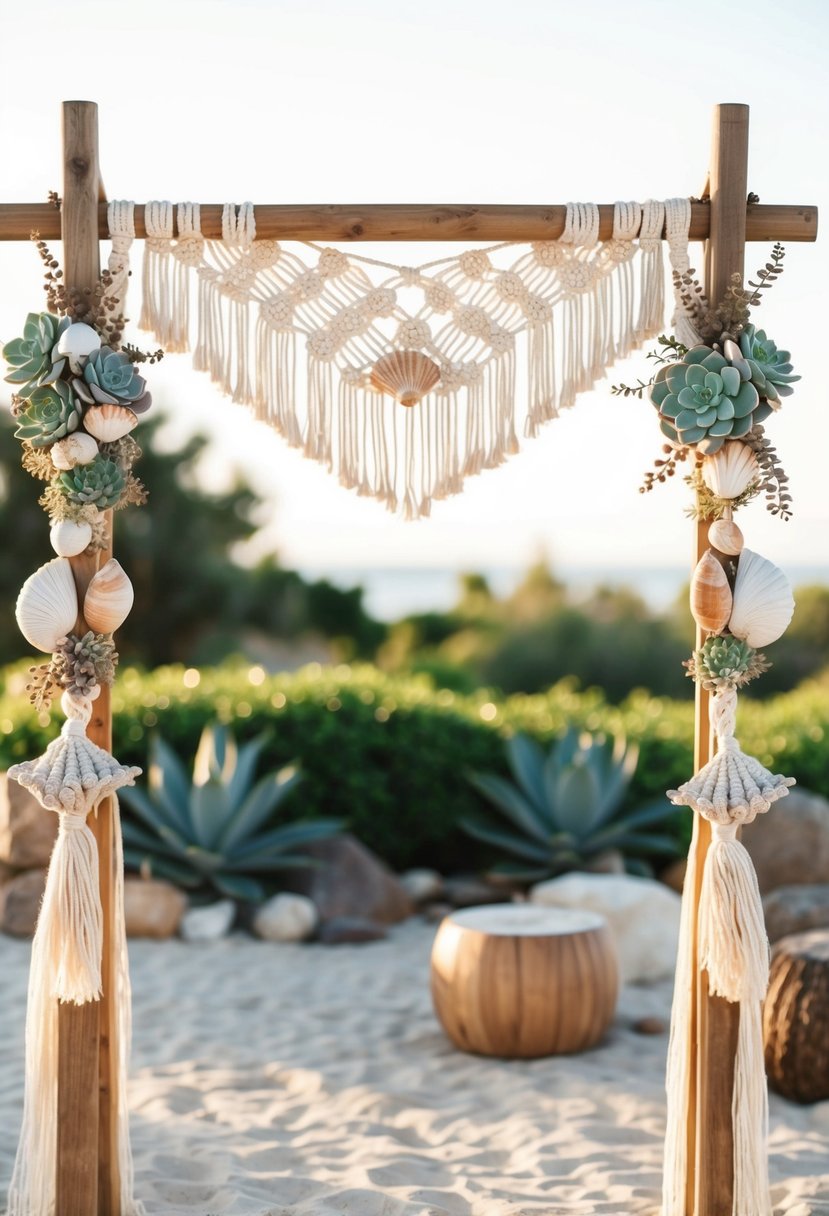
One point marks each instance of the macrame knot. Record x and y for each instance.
(72, 822)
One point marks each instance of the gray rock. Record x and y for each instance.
(609, 862)
(152, 907)
(790, 845)
(467, 891)
(286, 918)
(350, 881)
(422, 885)
(209, 923)
(20, 901)
(345, 930)
(27, 830)
(796, 909)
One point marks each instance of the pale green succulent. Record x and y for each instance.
(52, 412)
(725, 662)
(109, 378)
(32, 359)
(770, 369)
(703, 400)
(99, 484)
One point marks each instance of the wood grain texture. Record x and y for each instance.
(418, 222)
(523, 996)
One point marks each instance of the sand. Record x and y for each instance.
(289, 1080)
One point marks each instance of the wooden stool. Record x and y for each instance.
(518, 981)
(796, 1017)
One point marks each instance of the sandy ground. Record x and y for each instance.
(291, 1080)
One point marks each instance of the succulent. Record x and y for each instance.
(564, 806)
(725, 662)
(768, 368)
(51, 412)
(84, 663)
(99, 484)
(216, 833)
(32, 358)
(704, 400)
(109, 378)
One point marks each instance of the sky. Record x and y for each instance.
(448, 101)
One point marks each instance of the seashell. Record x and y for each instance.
(47, 606)
(726, 536)
(79, 448)
(109, 422)
(406, 374)
(109, 598)
(763, 600)
(731, 350)
(68, 538)
(78, 341)
(710, 594)
(729, 471)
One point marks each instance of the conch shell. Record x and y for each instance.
(47, 606)
(108, 599)
(710, 594)
(763, 601)
(405, 374)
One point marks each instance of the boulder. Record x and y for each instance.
(350, 930)
(27, 830)
(209, 923)
(286, 918)
(152, 907)
(643, 915)
(468, 891)
(422, 886)
(790, 845)
(20, 901)
(673, 875)
(796, 909)
(348, 880)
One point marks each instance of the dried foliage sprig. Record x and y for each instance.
(709, 506)
(663, 469)
(775, 478)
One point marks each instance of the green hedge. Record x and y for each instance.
(389, 754)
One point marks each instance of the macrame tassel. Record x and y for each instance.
(71, 920)
(733, 947)
(156, 299)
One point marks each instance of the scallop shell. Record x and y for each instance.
(763, 600)
(47, 606)
(710, 594)
(69, 538)
(729, 471)
(79, 448)
(726, 536)
(406, 374)
(109, 598)
(109, 422)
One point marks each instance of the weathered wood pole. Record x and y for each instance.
(87, 1180)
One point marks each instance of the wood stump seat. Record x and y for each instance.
(796, 1017)
(519, 981)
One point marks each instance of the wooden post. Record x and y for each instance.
(715, 1021)
(87, 1181)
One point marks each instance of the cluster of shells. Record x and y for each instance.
(756, 603)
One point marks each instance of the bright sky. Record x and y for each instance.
(448, 101)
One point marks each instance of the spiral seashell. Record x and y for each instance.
(726, 536)
(47, 606)
(68, 538)
(405, 374)
(763, 601)
(710, 594)
(731, 470)
(109, 598)
(109, 422)
(79, 448)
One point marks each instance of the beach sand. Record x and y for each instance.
(290, 1080)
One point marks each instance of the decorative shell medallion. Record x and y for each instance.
(47, 606)
(726, 536)
(731, 470)
(79, 448)
(68, 538)
(710, 594)
(109, 598)
(763, 601)
(405, 374)
(109, 422)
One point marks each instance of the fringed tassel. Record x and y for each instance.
(71, 921)
(157, 303)
(651, 273)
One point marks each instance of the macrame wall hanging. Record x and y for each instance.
(323, 344)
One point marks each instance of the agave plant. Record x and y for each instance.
(564, 807)
(210, 833)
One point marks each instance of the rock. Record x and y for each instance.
(643, 914)
(341, 930)
(27, 831)
(421, 886)
(609, 862)
(649, 1025)
(433, 913)
(790, 845)
(209, 923)
(20, 903)
(350, 881)
(673, 875)
(152, 907)
(6, 873)
(467, 891)
(796, 909)
(286, 918)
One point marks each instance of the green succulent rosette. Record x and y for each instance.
(726, 662)
(32, 359)
(109, 378)
(52, 412)
(98, 484)
(769, 369)
(703, 400)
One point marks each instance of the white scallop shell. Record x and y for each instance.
(729, 471)
(109, 598)
(68, 538)
(763, 600)
(74, 449)
(47, 606)
(109, 422)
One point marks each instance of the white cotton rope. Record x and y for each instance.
(121, 224)
(156, 308)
